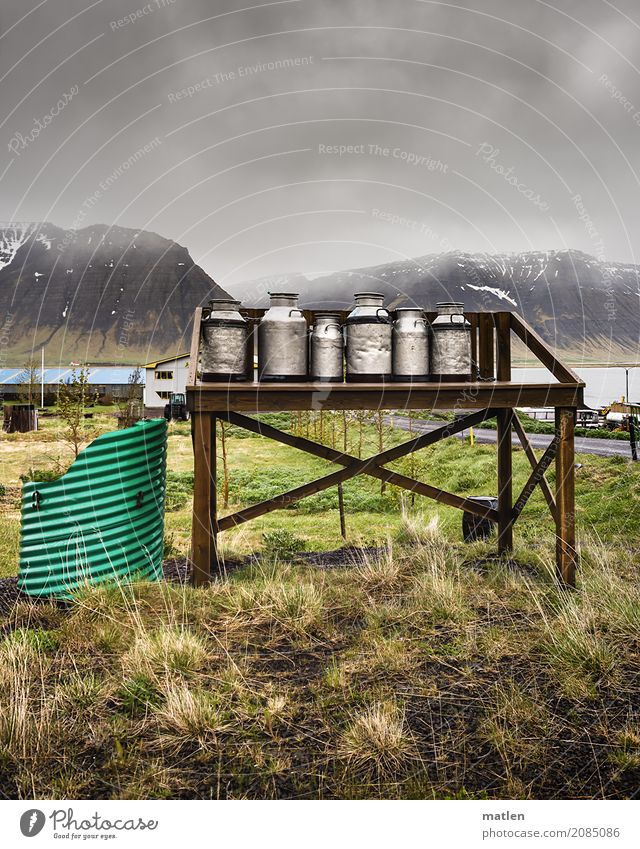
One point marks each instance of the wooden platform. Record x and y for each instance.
(491, 395)
(275, 397)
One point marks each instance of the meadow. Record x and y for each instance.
(412, 665)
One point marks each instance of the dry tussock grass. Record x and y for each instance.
(378, 742)
(188, 715)
(386, 677)
(166, 652)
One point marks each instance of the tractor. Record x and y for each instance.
(176, 409)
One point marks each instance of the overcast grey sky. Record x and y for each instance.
(485, 125)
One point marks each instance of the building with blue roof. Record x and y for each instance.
(105, 380)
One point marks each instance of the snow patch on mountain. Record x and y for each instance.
(13, 237)
(499, 293)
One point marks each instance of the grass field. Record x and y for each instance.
(428, 669)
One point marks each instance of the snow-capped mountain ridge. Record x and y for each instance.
(576, 302)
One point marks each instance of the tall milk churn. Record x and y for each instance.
(450, 344)
(410, 345)
(327, 348)
(225, 336)
(368, 339)
(282, 340)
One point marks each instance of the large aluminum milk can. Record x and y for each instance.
(450, 344)
(327, 348)
(368, 339)
(282, 340)
(225, 335)
(410, 345)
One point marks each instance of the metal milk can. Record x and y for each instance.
(225, 335)
(282, 340)
(450, 344)
(327, 347)
(368, 339)
(410, 345)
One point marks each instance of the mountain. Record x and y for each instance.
(586, 309)
(99, 294)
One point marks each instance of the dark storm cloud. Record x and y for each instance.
(290, 134)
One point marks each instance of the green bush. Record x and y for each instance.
(282, 544)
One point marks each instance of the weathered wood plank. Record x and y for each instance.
(473, 321)
(528, 450)
(566, 554)
(503, 346)
(505, 481)
(195, 347)
(353, 466)
(535, 477)
(543, 352)
(203, 553)
(260, 397)
(335, 456)
(486, 349)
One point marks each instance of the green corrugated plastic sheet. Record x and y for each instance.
(103, 520)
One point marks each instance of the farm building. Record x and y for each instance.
(105, 381)
(164, 377)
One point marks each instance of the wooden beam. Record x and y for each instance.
(535, 477)
(269, 397)
(505, 482)
(194, 351)
(354, 466)
(542, 351)
(503, 346)
(486, 346)
(387, 456)
(203, 540)
(566, 554)
(528, 450)
(473, 321)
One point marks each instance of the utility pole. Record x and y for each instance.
(632, 423)
(626, 387)
(42, 381)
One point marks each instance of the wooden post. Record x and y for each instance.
(505, 482)
(486, 346)
(505, 419)
(343, 524)
(566, 555)
(503, 345)
(203, 534)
